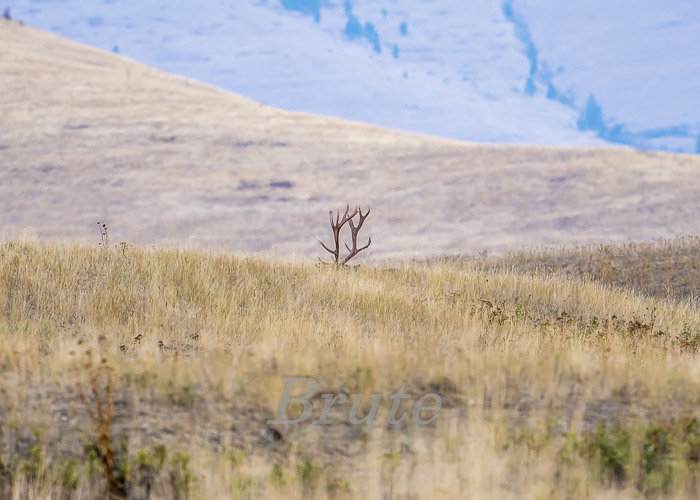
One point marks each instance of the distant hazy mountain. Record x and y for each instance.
(519, 71)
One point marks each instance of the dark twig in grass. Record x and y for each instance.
(101, 415)
(104, 243)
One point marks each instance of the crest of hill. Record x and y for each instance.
(87, 135)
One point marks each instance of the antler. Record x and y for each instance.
(337, 224)
(354, 250)
(336, 230)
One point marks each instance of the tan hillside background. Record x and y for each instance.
(88, 135)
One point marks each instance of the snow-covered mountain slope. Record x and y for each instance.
(631, 66)
(514, 72)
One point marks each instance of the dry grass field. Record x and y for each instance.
(151, 369)
(552, 386)
(668, 269)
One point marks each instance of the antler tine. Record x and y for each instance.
(336, 234)
(354, 229)
(354, 232)
(362, 218)
(324, 246)
(346, 217)
(369, 241)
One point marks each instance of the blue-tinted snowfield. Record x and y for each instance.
(519, 71)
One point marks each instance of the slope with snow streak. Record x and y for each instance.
(452, 69)
(638, 61)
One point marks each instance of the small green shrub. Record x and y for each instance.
(308, 474)
(70, 475)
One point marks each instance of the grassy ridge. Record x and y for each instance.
(551, 384)
(664, 268)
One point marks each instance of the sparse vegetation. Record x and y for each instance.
(104, 235)
(668, 268)
(554, 383)
(99, 407)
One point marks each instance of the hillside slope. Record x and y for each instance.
(461, 80)
(88, 135)
(513, 71)
(629, 66)
(548, 384)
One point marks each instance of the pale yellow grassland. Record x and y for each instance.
(668, 268)
(518, 359)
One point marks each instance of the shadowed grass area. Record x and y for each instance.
(551, 385)
(668, 268)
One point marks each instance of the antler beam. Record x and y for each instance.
(354, 230)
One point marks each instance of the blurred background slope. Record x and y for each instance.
(519, 71)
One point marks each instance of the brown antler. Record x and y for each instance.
(354, 250)
(336, 225)
(336, 230)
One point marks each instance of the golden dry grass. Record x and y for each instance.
(86, 135)
(529, 366)
(668, 268)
